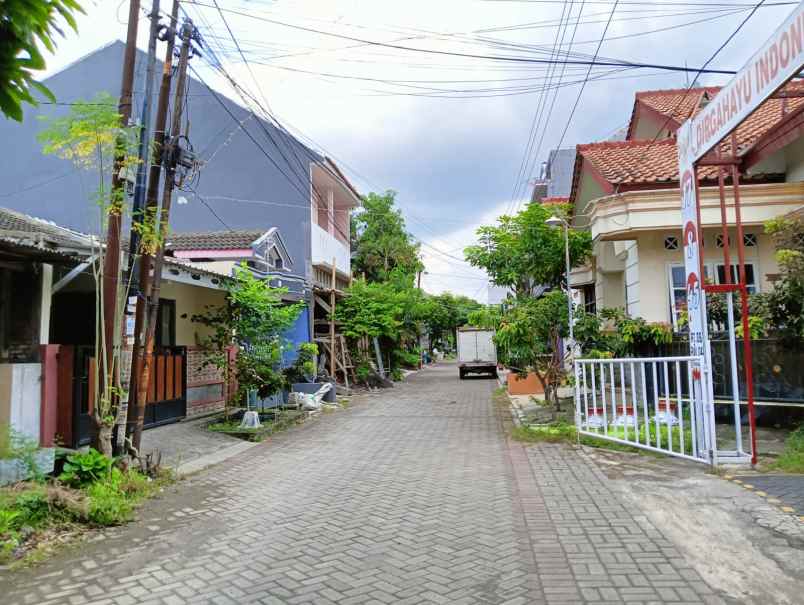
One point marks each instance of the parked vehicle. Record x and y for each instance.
(476, 352)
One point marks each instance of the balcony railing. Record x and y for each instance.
(326, 247)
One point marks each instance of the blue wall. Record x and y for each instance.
(299, 333)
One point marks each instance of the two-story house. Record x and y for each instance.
(627, 194)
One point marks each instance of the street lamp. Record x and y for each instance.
(557, 221)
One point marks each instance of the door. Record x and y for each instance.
(167, 389)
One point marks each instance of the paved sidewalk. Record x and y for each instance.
(412, 495)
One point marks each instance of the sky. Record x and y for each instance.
(448, 134)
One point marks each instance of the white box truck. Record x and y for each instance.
(476, 352)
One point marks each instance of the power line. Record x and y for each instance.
(503, 58)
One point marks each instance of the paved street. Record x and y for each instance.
(413, 495)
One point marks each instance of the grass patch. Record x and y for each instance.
(272, 422)
(564, 432)
(792, 458)
(36, 516)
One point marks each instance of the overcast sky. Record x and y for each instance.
(447, 133)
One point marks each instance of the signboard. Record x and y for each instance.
(778, 60)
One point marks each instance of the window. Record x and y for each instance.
(749, 239)
(166, 323)
(671, 242)
(750, 282)
(678, 284)
(719, 240)
(589, 303)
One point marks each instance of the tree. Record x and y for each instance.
(785, 303)
(522, 251)
(445, 313)
(528, 339)
(255, 319)
(381, 243)
(90, 136)
(24, 25)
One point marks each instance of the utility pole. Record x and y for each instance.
(151, 305)
(138, 391)
(111, 265)
(137, 207)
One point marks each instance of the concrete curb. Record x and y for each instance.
(199, 464)
(744, 481)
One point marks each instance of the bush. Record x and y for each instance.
(83, 469)
(108, 505)
(792, 459)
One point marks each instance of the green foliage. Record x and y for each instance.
(381, 241)
(521, 251)
(82, 469)
(785, 302)
(445, 313)
(107, 504)
(792, 458)
(488, 317)
(304, 367)
(554, 432)
(256, 318)
(24, 26)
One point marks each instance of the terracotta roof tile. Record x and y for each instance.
(677, 103)
(214, 240)
(645, 162)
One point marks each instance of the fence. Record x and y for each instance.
(778, 369)
(644, 402)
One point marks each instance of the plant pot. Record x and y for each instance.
(13, 470)
(527, 384)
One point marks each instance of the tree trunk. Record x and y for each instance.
(102, 437)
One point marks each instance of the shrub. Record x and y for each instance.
(792, 459)
(107, 504)
(83, 469)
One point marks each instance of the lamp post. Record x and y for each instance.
(557, 221)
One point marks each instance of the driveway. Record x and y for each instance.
(413, 495)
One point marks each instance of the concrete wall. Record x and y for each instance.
(21, 397)
(652, 283)
(237, 169)
(190, 300)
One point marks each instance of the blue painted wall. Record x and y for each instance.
(299, 333)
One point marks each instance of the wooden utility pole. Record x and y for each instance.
(155, 272)
(138, 390)
(137, 215)
(111, 264)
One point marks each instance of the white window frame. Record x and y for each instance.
(710, 268)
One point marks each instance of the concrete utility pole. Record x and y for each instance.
(111, 266)
(152, 302)
(145, 267)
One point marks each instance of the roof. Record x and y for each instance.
(35, 232)
(634, 163)
(539, 191)
(678, 104)
(238, 239)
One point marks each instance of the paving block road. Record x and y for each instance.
(412, 495)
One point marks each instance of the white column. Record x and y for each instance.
(44, 303)
(331, 212)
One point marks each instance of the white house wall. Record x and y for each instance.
(632, 286)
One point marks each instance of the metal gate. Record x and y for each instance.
(650, 403)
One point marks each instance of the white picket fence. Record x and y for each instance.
(649, 403)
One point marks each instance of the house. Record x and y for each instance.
(47, 332)
(254, 175)
(626, 193)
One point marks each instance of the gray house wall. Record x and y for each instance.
(51, 188)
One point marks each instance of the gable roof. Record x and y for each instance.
(237, 239)
(677, 104)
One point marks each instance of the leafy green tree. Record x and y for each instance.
(381, 244)
(488, 317)
(528, 339)
(24, 26)
(255, 318)
(522, 252)
(785, 303)
(445, 313)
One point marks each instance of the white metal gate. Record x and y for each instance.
(651, 403)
